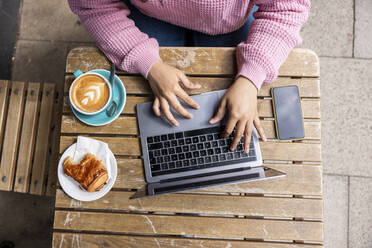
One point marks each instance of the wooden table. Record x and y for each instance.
(285, 212)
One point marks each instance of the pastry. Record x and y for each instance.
(90, 172)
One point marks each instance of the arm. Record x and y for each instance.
(133, 51)
(272, 35)
(116, 35)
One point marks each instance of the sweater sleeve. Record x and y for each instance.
(273, 34)
(116, 35)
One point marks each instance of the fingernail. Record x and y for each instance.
(197, 106)
(264, 138)
(211, 121)
(198, 86)
(177, 124)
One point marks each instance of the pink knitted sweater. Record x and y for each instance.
(273, 33)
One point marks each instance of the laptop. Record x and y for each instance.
(193, 155)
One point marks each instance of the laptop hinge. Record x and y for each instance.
(206, 174)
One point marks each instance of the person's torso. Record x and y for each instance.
(207, 16)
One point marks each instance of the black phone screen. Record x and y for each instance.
(288, 113)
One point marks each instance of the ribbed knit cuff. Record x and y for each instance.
(253, 72)
(146, 59)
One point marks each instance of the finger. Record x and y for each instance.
(238, 134)
(248, 135)
(164, 106)
(230, 125)
(220, 112)
(156, 107)
(187, 99)
(178, 107)
(260, 130)
(187, 83)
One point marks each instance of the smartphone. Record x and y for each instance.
(289, 122)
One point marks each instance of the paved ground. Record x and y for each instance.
(339, 31)
(9, 11)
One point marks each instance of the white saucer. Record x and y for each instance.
(72, 187)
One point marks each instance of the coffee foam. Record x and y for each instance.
(90, 93)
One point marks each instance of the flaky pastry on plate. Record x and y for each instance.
(90, 172)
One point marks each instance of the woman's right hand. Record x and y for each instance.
(165, 83)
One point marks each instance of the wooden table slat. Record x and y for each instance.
(310, 108)
(4, 93)
(27, 140)
(198, 226)
(11, 136)
(71, 125)
(207, 204)
(41, 148)
(199, 61)
(54, 144)
(309, 87)
(68, 240)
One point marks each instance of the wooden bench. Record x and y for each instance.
(29, 136)
(285, 212)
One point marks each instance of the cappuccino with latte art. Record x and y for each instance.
(90, 93)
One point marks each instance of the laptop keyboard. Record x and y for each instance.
(193, 150)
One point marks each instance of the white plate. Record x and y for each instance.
(72, 187)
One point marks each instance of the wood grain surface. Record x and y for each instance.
(310, 107)
(189, 225)
(4, 94)
(42, 145)
(27, 109)
(309, 87)
(27, 140)
(11, 136)
(70, 125)
(54, 142)
(68, 240)
(199, 61)
(201, 204)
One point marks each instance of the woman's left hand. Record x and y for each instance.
(240, 102)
